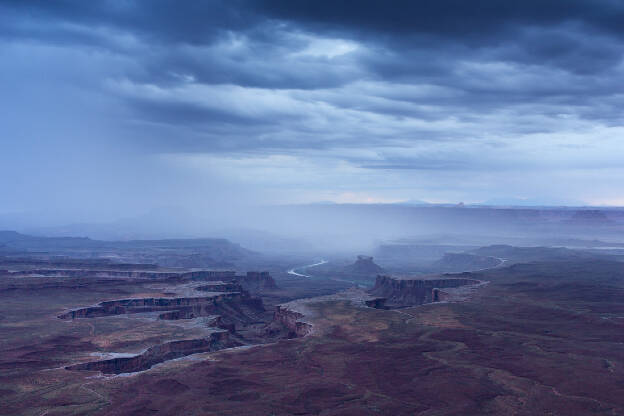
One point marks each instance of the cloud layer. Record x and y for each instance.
(313, 100)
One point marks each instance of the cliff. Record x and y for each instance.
(158, 354)
(291, 320)
(409, 292)
(237, 306)
(130, 274)
(256, 281)
(251, 281)
(364, 265)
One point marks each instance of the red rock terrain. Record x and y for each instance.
(513, 348)
(159, 353)
(292, 320)
(540, 338)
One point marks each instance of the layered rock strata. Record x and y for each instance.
(292, 320)
(408, 292)
(233, 309)
(158, 354)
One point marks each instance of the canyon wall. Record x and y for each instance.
(94, 273)
(158, 354)
(252, 281)
(257, 281)
(174, 308)
(408, 292)
(292, 321)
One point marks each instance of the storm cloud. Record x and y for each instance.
(282, 101)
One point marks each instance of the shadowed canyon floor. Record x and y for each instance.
(539, 338)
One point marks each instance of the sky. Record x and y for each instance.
(117, 107)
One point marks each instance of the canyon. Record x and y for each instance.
(86, 337)
(228, 314)
(158, 354)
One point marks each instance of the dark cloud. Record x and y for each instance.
(159, 20)
(436, 86)
(556, 27)
(458, 19)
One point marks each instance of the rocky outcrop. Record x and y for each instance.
(292, 321)
(185, 308)
(364, 266)
(256, 281)
(407, 292)
(219, 306)
(158, 354)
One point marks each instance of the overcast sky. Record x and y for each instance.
(110, 107)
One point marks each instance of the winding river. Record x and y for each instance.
(295, 270)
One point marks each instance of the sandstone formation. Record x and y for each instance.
(218, 301)
(364, 265)
(408, 292)
(238, 307)
(256, 281)
(227, 280)
(292, 321)
(158, 354)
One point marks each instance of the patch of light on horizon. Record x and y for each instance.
(361, 198)
(608, 202)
